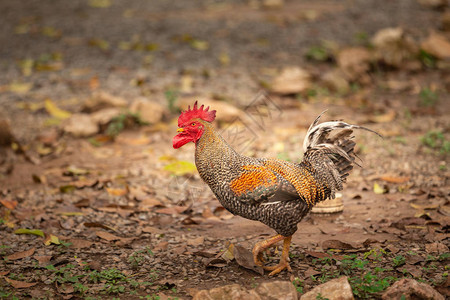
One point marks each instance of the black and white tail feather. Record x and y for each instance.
(328, 148)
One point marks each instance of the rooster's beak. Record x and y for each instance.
(180, 130)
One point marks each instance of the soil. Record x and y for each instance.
(114, 205)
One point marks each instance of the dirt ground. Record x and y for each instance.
(114, 221)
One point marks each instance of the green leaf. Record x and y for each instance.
(29, 231)
(180, 168)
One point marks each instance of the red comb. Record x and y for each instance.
(195, 112)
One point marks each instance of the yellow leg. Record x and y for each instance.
(261, 246)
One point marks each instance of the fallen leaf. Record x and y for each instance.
(311, 272)
(80, 243)
(20, 284)
(172, 210)
(378, 189)
(180, 168)
(4, 273)
(117, 192)
(75, 171)
(196, 242)
(56, 112)
(161, 246)
(51, 239)
(245, 259)
(107, 236)
(43, 259)
(150, 202)
(336, 244)
(323, 255)
(150, 229)
(30, 231)
(20, 87)
(99, 225)
(10, 204)
(393, 179)
(21, 254)
(228, 254)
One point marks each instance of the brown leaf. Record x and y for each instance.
(43, 259)
(20, 284)
(174, 210)
(394, 179)
(322, 255)
(150, 202)
(4, 273)
(245, 259)
(107, 236)
(22, 254)
(80, 243)
(336, 244)
(117, 191)
(99, 225)
(82, 203)
(196, 242)
(10, 204)
(154, 230)
(311, 272)
(161, 246)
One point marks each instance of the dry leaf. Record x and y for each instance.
(22, 254)
(117, 192)
(172, 210)
(56, 112)
(20, 284)
(107, 236)
(393, 179)
(30, 231)
(80, 243)
(51, 239)
(336, 244)
(196, 242)
(245, 259)
(10, 204)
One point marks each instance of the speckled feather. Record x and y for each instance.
(276, 192)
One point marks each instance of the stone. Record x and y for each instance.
(394, 47)
(277, 290)
(336, 289)
(354, 62)
(149, 111)
(408, 288)
(437, 45)
(101, 99)
(291, 80)
(80, 125)
(104, 116)
(335, 81)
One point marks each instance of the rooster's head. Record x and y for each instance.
(190, 126)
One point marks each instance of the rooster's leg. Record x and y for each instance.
(261, 246)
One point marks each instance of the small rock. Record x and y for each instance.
(354, 62)
(407, 289)
(149, 111)
(277, 290)
(433, 3)
(104, 116)
(437, 45)
(394, 47)
(291, 80)
(81, 125)
(335, 81)
(101, 100)
(336, 289)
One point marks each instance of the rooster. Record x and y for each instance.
(275, 192)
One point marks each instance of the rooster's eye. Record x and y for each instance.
(193, 124)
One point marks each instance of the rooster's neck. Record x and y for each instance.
(213, 154)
